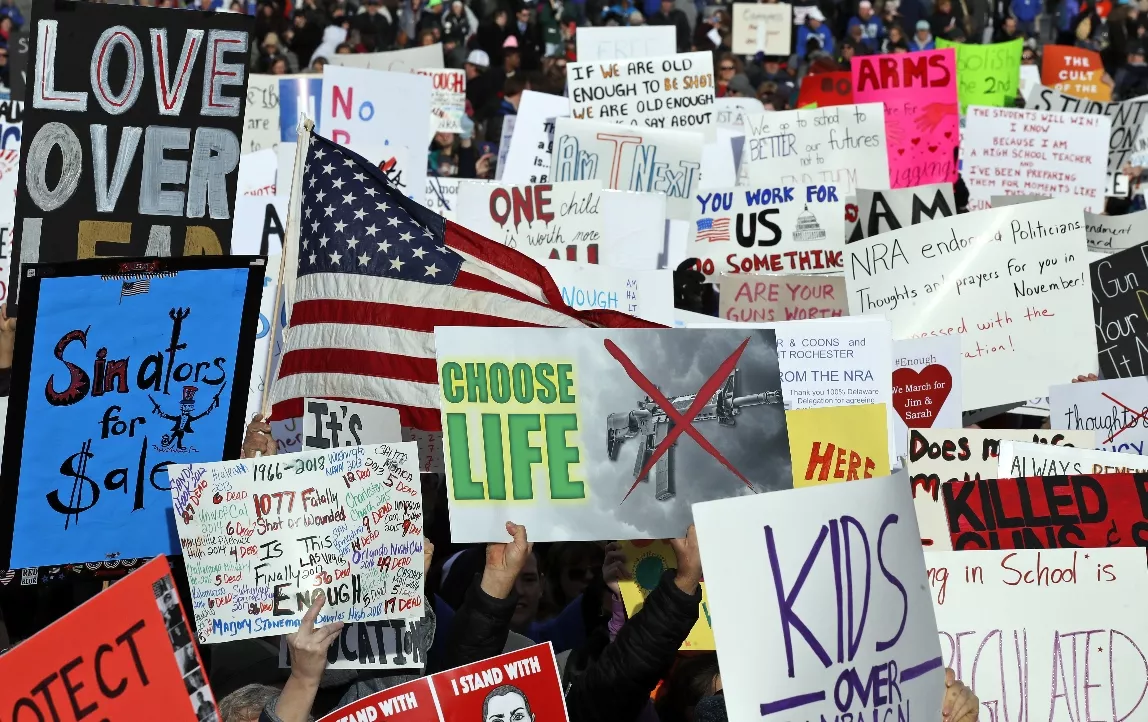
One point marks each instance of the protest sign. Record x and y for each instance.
(547, 220)
(504, 137)
(754, 298)
(623, 43)
(396, 61)
(329, 424)
(128, 648)
(521, 685)
(937, 456)
(1126, 118)
(1029, 79)
(887, 210)
(647, 295)
(826, 89)
(430, 458)
(981, 276)
(630, 159)
(646, 561)
(531, 146)
(675, 92)
(832, 444)
(926, 385)
(121, 368)
(442, 196)
(1076, 71)
(448, 98)
(729, 112)
(779, 229)
(842, 146)
(1046, 635)
(391, 644)
(754, 615)
(922, 117)
(635, 230)
(1019, 459)
(1118, 308)
(1114, 409)
(261, 537)
(761, 28)
(300, 96)
(1048, 512)
(987, 74)
(266, 344)
(1109, 234)
(569, 391)
(18, 45)
(258, 173)
(260, 225)
(88, 107)
(261, 115)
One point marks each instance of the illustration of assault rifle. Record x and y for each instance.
(650, 423)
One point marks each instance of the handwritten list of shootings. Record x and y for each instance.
(261, 538)
(668, 92)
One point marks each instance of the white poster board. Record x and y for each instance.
(616, 43)
(635, 230)
(531, 145)
(790, 617)
(391, 644)
(448, 98)
(765, 28)
(295, 525)
(887, 210)
(1111, 234)
(257, 173)
(442, 196)
(729, 112)
(1004, 280)
(648, 295)
(1019, 458)
(843, 145)
(1006, 151)
(1126, 118)
(630, 159)
(1116, 410)
(261, 113)
(395, 61)
(329, 423)
(926, 386)
(260, 225)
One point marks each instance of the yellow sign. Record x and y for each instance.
(832, 444)
(647, 559)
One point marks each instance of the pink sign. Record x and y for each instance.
(922, 118)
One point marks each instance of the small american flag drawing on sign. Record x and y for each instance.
(135, 288)
(713, 230)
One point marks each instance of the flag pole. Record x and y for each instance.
(288, 258)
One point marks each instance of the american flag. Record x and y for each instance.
(377, 272)
(713, 230)
(135, 288)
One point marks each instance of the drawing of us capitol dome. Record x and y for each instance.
(807, 227)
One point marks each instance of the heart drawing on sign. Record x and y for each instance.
(918, 396)
(914, 141)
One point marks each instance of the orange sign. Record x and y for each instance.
(826, 89)
(1075, 71)
(126, 654)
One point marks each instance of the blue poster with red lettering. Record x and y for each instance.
(121, 368)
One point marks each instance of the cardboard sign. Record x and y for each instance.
(522, 685)
(532, 145)
(987, 74)
(647, 295)
(1109, 234)
(396, 61)
(887, 210)
(559, 220)
(329, 424)
(121, 369)
(260, 538)
(926, 385)
(1019, 459)
(1002, 280)
(675, 92)
(393, 644)
(100, 118)
(630, 159)
(826, 90)
(128, 649)
(791, 618)
(762, 28)
(646, 560)
(261, 115)
(922, 118)
(937, 456)
(1121, 332)
(1114, 410)
(1010, 625)
(572, 419)
(764, 298)
(1126, 119)
(1048, 512)
(833, 444)
(775, 228)
(842, 146)
(1076, 71)
(448, 98)
(615, 43)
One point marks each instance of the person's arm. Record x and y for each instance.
(308, 651)
(618, 684)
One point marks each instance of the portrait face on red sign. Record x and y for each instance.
(521, 686)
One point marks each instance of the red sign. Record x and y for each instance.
(1048, 512)
(826, 89)
(519, 685)
(125, 654)
(919, 395)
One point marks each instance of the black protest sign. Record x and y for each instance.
(882, 211)
(132, 133)
(1120, 312)
(18, 63)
